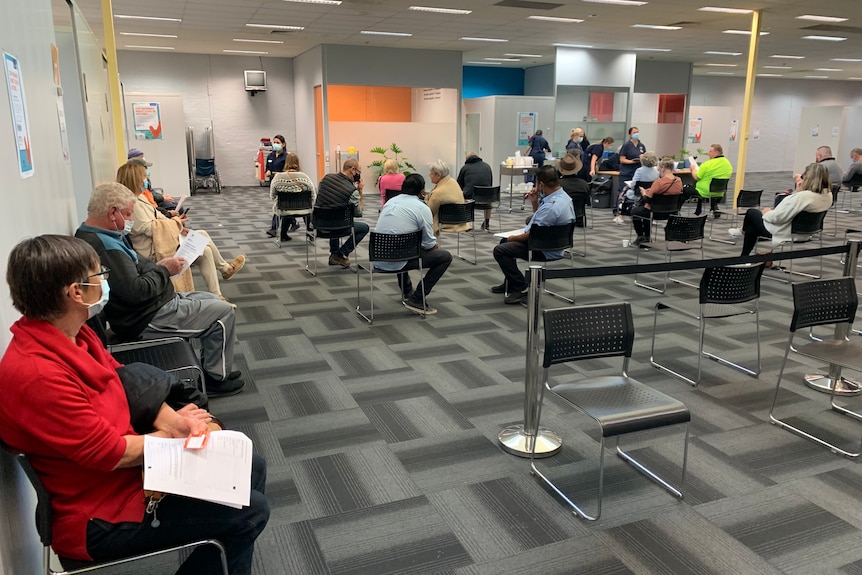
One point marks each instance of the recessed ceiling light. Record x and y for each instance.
(854, 78)
(846, 59)
(817, 77)
(651, 49)
(332, 2)
(376, 33)
(786, 57)
(725, 10)
(275, 26)
(475, 39)
(825, 38)
(720, 73)
(778, 67)
(148, 35)
(561, 45)
(723, 65)
(555, 19)
(770, 75)
(439, 10)
(504, 59)
(127, 17)
(525, 55)
(243, 52)
(656, 27)
(617, 2)
(828, 69)
(151, 47)
(744, 32)
(714, 53)
(258, 41)
(487, 63)
(821, 18)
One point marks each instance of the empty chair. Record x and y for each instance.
(618, 404)
(680, 234)
(823, 302)
(722, 291)
(173, 355)
(390, 248)
(487, 198)
(331, 223)
(458, 214)
(553, 238)
(745, 200)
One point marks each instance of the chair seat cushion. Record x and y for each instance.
(691, 308)
(622, 405)
(837, 351)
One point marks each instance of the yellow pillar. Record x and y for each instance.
(113, 80)
(745, 126)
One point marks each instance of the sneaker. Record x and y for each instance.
(226, 388)
(499, 289)
(285, 238)
(236, 265)
(339, 260)
(619, 220)
(716, 215)
(293, 227)
(516, 297)
(414, 304)
(224, 299)
(734, 232)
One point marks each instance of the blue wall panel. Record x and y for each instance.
(487, 81)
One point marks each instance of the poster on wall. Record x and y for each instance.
(734, 130)
(148, 121)
(526, 127)
(815, 131)
(20, 120)
(836, 131)
(755, 134)
(695, 130)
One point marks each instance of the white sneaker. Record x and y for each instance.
(735, 232)
(619, 220)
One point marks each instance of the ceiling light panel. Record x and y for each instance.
(828, 69)
(743, 32)
(440, 10)
(825, 38)
(821, 18)
(714, 53)
(656, 27)
(476, 39)
(617, 2)
(275, 27)
(725, 10)
(846, 59)
(723, 65)
(525, 55)
(148, 35)
(504, 59)
(487, 63)
(378, 33)
(154, 18)
(787, 57)
(244, 52)
(150, 47)
(327, 2)
(651, 49)
(556, 19)
(561, 45)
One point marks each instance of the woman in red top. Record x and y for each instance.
(666, 184)
(65, 407)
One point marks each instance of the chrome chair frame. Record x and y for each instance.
(678, 233)
(547, 238)
(662, 206)
(803, 223)
(330, 221)
(745, 200)
(456, 214)
(406, 247)
(485, 198)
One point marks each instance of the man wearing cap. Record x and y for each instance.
(578, 189)
(157, 199)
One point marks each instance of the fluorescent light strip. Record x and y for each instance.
(821, 18)
(148, 35)
(329, 2)
(723, 65)
(786, 57)
(854, 78)
(828, 69)
(487, 63)
(525, 55)
(779, 67)
(439, 10)
(504, 59)
(725, 10)
(376, 33)
(475, 39)
(560, 45)
(258, 41)
(243, 52)
(743, 32)
(846, 59)
(713, 53)
(157, 19)
(150, 47)
(617, 2)
(275, 27)
(817, 77)
(651, 49)
(655, 27)
(770, 75)
(825, 38)
(720, 73)
(555, 19)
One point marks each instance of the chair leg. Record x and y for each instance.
(719, 240)
(368, 318)
(676, 492)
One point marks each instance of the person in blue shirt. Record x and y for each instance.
(536, 150)
(630, 156)
(405, 213)
(552, 206)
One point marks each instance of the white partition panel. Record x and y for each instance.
(816, 129)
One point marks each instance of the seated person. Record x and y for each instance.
(143, 302)
(475, 172)
(446, 191)
(596, 152)
(343, 189)
(717, 166)
(855, 170)
(666, 184)
(813, 194)
(644, 175)
(569, 166)
(391, 179)
(155, 237)
(162, 200)
(291, 180)
(66, 408)
(407, 213)
(552, 206)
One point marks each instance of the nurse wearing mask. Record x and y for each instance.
(275, 165)
(630, 156)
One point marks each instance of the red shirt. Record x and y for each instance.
(65, 407)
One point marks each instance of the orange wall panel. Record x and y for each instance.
(369, 104)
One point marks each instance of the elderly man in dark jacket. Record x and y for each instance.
(338, 190)
(475, 172)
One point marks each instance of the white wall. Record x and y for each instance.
(307, 73)
(608, 68)
(434, 105)
(815, 130)
(539, 81)
(213, 91)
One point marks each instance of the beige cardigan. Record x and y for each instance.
(447, 191)
(156, 237)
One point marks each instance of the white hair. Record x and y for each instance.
(109, 195)
(439, 167)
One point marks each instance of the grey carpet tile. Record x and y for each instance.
(837, 491)
(416, 417)
(301, 398)
(324, 434)
(289, 549)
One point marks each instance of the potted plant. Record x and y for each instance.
(684, 163)
(404, 165)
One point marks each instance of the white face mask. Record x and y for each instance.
(96, 308)
(127, 227)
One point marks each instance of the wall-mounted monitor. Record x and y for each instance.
(255, 80)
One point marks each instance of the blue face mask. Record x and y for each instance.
(148, 172)
(579, 140)
(636, 136)
(127, 227)
(276, 147)
(96, 308)
(146, 184)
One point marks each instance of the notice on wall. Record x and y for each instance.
(148, 121)
(64, 134)
(734, 130)
(526, 127)
(755, 134)
(815, 131)
(695, 130)
(836, 131)
(429, 94)
(20, 120)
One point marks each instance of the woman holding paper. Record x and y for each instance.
(155, 236)
(65, 407)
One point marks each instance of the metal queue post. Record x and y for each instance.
(833, 382)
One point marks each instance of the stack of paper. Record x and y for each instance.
(504, 235)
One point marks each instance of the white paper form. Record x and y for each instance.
(180, 203)
(504, 235)
(219, 473)
(191, 247)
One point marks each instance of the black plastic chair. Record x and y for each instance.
(823, 302)
(488, 198)
(717, 194)
(45, 530)
(331, 223)
(391, 248)
(722, 290)
(806, 226)
(553, 238)
(680, 235)
(836, 189)
(172, 354)
(618, 404)
(300, 203)
(662, 206)
(459, 214)
(390, 193)
(744, 201)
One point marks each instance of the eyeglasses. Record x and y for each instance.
(103, 271)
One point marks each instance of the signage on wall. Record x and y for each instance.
(148, 121)
(734, 130)
(526, 127)
(20, 120)
(815, 131)
(695, 130)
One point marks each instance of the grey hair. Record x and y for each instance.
(439, 167)
(649, 160)
(107, 196)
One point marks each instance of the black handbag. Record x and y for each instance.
(148, 387)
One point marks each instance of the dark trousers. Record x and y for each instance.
(507, 255)
(713, 204)
(184, 520)
(287, 221)
(435, 262)
(360, 230)
(753, 228)
(641, 222)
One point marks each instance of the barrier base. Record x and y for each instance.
(516, 441)
(824, 383)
